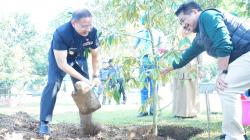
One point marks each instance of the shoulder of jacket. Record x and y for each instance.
(210, 12)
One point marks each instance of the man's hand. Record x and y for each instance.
(82, 86)
(220, 82)
(166, 70)
(95, 82)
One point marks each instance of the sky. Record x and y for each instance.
(41, 11)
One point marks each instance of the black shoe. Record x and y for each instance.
(124, 102)
(189, 117)
(142, 114)
(223, 136)
(245, 136)
(151, 113)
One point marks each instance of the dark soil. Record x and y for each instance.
(22, 125)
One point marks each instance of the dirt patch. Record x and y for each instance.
(164, 132)
(23, 126)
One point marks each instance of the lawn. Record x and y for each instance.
(117, 115)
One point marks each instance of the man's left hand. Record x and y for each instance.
(220, 82)
(95, 82)
(166, 70)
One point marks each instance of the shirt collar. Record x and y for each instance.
(196, 30)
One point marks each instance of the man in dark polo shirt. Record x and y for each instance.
(226, 38)
(68, 55)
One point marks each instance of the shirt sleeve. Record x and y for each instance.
(58, 43)
(96, 43)
(214, 26)
(188, 55)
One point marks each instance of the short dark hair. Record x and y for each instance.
(187, 7)
(81, 13)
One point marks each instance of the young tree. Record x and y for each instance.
(124, 15)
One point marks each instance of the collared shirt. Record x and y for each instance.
(66, 38)
(104, 74)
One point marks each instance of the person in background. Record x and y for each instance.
(117, 79)
(104, 76)
(227, 38)
(185, 91)
(143, 46)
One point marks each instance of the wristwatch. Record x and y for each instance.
(95, 76)
(224, 72)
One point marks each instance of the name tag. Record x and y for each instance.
(87, 43)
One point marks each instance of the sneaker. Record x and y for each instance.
(142, 114)
(44, 128)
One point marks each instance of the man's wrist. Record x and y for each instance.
(95, 76)
(222, 72)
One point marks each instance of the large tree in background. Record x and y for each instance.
(22, 52)
(15, 65)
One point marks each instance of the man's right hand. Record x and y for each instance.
(83, 86)
(95, 82)
(166, 70)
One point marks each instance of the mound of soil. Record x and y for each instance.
(23, 126)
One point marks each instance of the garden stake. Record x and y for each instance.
(208, 113)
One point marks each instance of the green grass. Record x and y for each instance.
(120, 115)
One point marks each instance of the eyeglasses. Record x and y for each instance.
(86, 27)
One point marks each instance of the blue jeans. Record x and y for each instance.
(48, 99)
(247, 93)
(145, 90)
